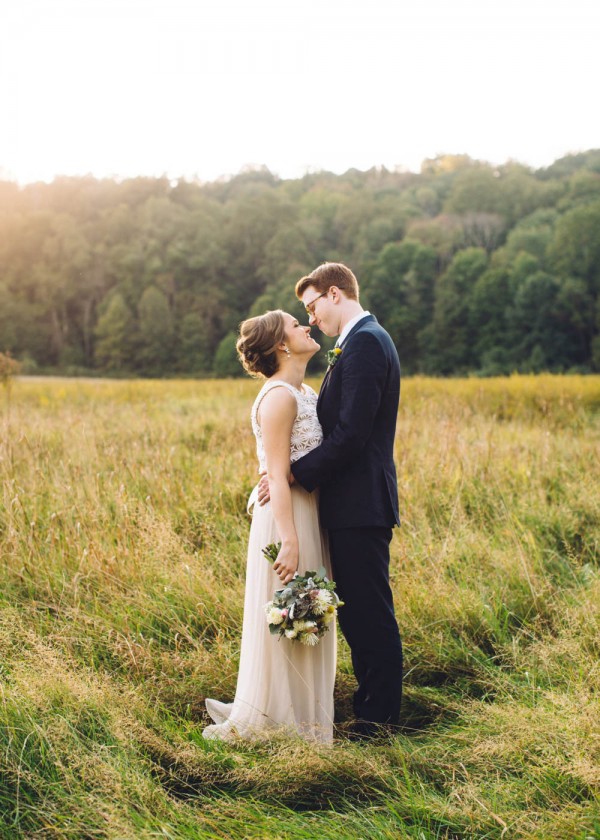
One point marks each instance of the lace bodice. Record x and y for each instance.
(306, 431)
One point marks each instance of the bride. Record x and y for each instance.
(282, 684)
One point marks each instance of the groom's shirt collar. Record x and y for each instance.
(344, 333)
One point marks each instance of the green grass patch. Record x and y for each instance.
(122, 562)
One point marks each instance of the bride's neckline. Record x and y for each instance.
(283, 381)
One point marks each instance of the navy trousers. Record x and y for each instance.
(360, 560)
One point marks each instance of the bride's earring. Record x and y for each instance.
(287, 351)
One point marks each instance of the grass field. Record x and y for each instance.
(122, 540)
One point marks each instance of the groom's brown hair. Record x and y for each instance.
(329, 274)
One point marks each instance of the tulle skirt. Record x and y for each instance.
(282, 684)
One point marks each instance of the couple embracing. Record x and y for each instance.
(330, 497)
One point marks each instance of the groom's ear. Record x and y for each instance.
(336, 293)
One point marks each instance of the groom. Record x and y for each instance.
(355, 473)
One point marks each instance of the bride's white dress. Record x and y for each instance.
(282, 684)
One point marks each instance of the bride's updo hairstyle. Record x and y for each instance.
(258, 342)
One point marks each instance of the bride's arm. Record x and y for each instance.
(276, 416)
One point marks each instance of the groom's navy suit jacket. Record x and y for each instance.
(358, 405)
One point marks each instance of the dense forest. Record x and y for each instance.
(470, 267)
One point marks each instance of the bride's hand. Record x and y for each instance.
(286, 564)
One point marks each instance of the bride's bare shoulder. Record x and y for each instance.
(277, 403)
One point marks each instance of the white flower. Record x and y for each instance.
(274, 614)
(301, 626)
(321, 602)
(309, 639)
(291, 634)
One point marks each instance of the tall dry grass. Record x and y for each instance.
(122, 540)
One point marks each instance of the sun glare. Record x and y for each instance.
(128, 88)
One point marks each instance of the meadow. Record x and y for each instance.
(122, 557)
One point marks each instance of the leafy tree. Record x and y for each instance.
(575, 248)
(114, 335)
(444, 234)
(155, 343)
(428, 200)
(538, 334)
(488, 318)
(449, 342)
(319, 209)
(9, 320)
(522, 267)
(286, 255)
(510, 192)
(195, 346)
(400, 292)
(569, 164)
(595, 346)
(576, 322)
(252, 222)
(280, 296)
(470, 266)
(475, 190)
(226, 363)
(584, 186)
(532, 235)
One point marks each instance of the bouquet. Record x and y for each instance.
(305, 607)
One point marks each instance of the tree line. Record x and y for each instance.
(469, 266)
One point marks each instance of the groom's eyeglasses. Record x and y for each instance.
(310, 307)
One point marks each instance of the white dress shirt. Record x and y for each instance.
(344, 333)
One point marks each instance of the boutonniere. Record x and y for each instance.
(333, 356)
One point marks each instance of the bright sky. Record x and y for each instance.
(198, 88)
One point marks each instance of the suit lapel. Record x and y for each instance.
(323, 387)
(325, 381)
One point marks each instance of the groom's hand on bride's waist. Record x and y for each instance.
(264, 494)
(263, 490)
